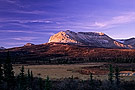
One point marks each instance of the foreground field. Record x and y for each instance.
(66, 71)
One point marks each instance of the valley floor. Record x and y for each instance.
(99, 70)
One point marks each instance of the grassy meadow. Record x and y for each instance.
(64, 71)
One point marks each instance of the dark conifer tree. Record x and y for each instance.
(91, 79)
(47, 84)
(22, 79)
(22, 73)
(28, 74)
(117, 76)
(29, 82)
(1, 74)
(9, 73)
(31, 76)
(1, 77)
(72, 78)
(41, 85)
(110, 75)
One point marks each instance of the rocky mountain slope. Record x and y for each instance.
(96, 39)
(130, 41)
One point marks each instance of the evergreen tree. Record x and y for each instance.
(110, 75)
(31, 76)
(28, 74)
(29, 83)
(18, 82)
(1, 74)
(117, 76)
(22, 79)
(9, 73)
(91, 79)
(41, 84)
(1, 77)
(72, 78)
(47, 84)
(22, 73)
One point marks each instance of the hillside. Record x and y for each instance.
(56, 52)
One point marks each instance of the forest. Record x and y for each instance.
(22, 81)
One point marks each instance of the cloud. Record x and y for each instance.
(22, 21)
(34, 21)
(16, 3)
(117, 20)
(100, 24)
(10, 1)
(38, 12)
(29, 32)
(25, 38)
(51, 33)
(14, 43)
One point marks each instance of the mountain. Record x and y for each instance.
(68, 46)
(130, 41)
(2, 48)
(95, 39)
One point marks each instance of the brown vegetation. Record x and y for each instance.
(64, 53)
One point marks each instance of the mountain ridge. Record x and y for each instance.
(97, 39)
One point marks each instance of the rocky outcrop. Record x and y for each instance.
(28, 44)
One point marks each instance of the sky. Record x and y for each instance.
(34, 21)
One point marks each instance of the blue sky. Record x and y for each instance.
(34, 21)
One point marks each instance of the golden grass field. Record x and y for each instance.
(63, 71)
